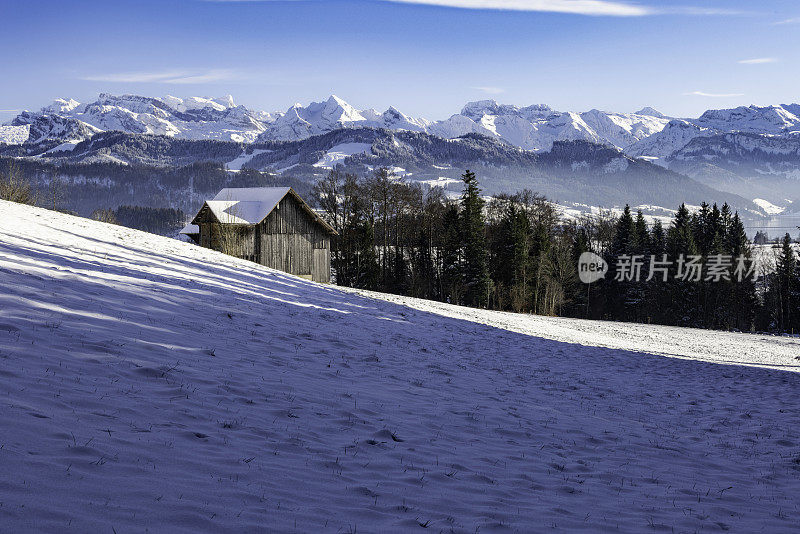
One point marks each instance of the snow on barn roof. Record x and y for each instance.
(251, 205)
(190, 229)
(246, 205)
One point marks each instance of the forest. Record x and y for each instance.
(516, 252)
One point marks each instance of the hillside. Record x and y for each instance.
(151, 384)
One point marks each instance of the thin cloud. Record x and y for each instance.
(10, 110)
(577, 7)
(758, 61)
(169, 77)
(206, 77)
(795, 20)
(713, 95)
(609, 8)
(699, 11)
(490, 90)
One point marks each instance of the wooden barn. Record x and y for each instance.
(272, 226)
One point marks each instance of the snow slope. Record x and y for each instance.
(239, 161)
(768, 207)
(151, 384)
(337, 154)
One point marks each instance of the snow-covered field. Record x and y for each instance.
(147, 383)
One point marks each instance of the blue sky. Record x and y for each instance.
(681, 57)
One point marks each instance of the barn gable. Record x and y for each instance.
(272, 226)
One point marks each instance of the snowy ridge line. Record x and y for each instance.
(149, 384)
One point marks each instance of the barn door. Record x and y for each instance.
(321, 271)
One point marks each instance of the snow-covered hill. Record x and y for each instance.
(148, 384)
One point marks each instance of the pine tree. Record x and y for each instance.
(512, 262)
(681, 301)
(473, 224)
(743, 302)
(641, 237)
(620, 294)
(703, 229)
(783, 287)
(655, 288)
(451, 252)
(658, 239)
(625, 234)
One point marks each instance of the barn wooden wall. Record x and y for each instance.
(289, 240)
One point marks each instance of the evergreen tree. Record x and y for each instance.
(512, 260)
(655, 301)
(743, 302)
(451, 253)
(625, 234)
(620, 291)
(783, 287)
(681, 299)
(641, 237)
(658, 239)
(473, 224)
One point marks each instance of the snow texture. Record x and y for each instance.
(14, 135)
(149, 384)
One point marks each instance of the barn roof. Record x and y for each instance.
(190, 229)
(246, 205)
(251, 205)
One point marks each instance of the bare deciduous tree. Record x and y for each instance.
(14, 187)
(105, 215)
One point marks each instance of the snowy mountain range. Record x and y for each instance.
(645, 133)
(750, 151)
(194, 118)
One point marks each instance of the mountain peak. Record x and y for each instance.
(61, 105)
(226, 101)
(333, 99)
(479, 108)
(650, 112)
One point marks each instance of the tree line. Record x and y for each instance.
(517, 252)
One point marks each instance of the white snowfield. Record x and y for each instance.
(768, 351)
(149, 384)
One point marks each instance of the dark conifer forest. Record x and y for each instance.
(516, 252)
